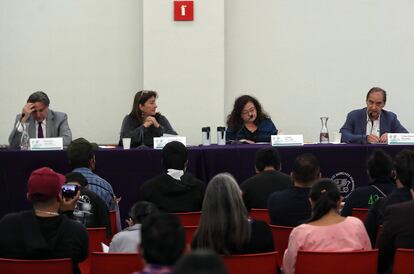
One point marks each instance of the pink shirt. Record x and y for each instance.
(348, 235)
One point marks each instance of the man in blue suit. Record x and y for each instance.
(42, 121)
(371, 124)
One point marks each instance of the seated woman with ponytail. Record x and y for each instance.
(326, 230)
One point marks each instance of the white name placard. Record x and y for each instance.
(46, 143)
(287, 140)
(401, 138)
(160, 142)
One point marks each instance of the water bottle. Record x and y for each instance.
(205, 136)
(324, 135)
(25, 139)
(221, 136)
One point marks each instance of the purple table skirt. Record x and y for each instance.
(126, 170)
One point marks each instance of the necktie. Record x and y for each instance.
(40, 131)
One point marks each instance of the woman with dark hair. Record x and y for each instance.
(225, 226)
(326, 230)
(248, 123)
(128, 239)
(143, 123)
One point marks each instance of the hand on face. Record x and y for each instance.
(38, 110)
(27, 110)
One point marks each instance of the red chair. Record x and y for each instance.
(263, 263)
(53, 266)
(119, 263)
(96, 237)
(403, 261)
(355, 262)
(260, 214)
(360, 213)
(189, 218)
(189, 232)
(112, 219)
(281, 239)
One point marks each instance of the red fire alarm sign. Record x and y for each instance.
(183, 10)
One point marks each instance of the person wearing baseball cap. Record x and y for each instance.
(44, 232)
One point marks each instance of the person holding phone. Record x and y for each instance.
(144, 123)
(90, 210)
(42, 122)
(45, 231)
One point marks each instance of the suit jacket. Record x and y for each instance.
(56, 126)
(355, 127)
(398, 232)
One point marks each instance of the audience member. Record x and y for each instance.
(162, 243)
(42, 232)
(225, 226)
(175, 190)
(404, 170)
(380, 172)
(90, 210)
(248, 123)
(371, 124)
(200, 261)
(397, 232)
(42, 121)
(129, 239)
(326, 230)
(144, 123)
(257, 189)
(291, 207)
(81, 154)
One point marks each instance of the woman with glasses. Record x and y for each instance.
(248, 123)
(143, 123)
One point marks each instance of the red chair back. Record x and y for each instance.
(61, 266)
(263, 263)
(360, 213)
(261, 214)
(112, 219)
(281, 239)
(189, 218)
(97, 236)
(189, 233)
(355, 262)
(403, 261)
(119, 263)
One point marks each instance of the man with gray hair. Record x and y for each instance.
(42, 121)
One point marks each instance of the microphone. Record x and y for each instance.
(234, 142)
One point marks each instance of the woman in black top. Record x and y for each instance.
(225, 226)
(143, 123)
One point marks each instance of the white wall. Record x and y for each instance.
(85, 54)
(306, 59)
(184, 62)
(302, 59)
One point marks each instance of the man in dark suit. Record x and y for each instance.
(291, 207)
(42, 121)
(398, 224)
(269, 179)
(371, 124)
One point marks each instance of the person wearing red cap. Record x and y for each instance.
(44, 232)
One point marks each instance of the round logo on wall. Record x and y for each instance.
(345, 183)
